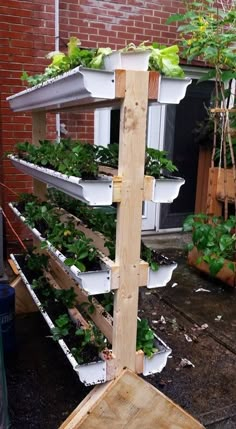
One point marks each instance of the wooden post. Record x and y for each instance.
(204, 163)
(39, 133)
(129, 215)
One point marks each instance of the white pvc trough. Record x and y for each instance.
(172, 90)
(166, 189)
(93, 192)
(76, 87)
(83, 86)
(161, 277)
(158, 361)
(89, 374)
(93, 282)
(131, 60)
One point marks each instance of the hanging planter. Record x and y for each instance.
(89, 373)
(166, 189)
(93, 282)
(93, 192)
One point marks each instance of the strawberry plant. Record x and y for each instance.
(214, 238)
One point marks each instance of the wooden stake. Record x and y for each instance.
(129, 215)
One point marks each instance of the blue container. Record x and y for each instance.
(7, 317)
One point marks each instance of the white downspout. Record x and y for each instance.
(57, 39)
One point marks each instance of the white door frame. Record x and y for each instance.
(155, 139)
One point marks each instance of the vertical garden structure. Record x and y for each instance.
(122, 393)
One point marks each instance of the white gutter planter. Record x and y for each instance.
(75, 87)
(162, 276)
(82, 86)
(132, 60)
(93, 192)
(158, 361)
(90, 373)
(166, 189)
(96, 372)
(93, 282)
(172, 90)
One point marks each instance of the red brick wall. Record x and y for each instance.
(26, 35)
(113, 23)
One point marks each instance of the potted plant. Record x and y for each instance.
(213, 246)
(69, 166)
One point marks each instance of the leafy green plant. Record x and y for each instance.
(214, 238)
(90, 338)
(145, 338)
(61, 62)
(36, 262)
(147, 255)
(208, 32)
(81, 250)
(157, 162)
(72, 158)
(67, 297)
(108, 155)
(63, 325)
(63, 235)
(164, 59)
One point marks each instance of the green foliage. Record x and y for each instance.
(108, 155)
(66, 296)
(214, 238)
(63, 325)
(147, 255)
(63, 235)
(36, 262)
(156, 162)
(145, 338)
(72, 158)
(164, 59)
(61, 63)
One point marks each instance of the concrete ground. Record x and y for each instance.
(207, 390)
(198, 326)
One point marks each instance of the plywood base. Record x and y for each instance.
(129, 402)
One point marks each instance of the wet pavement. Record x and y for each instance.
(198, 326)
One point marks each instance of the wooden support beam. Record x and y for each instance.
(214, 207)
(129, 402)
(129, 216)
